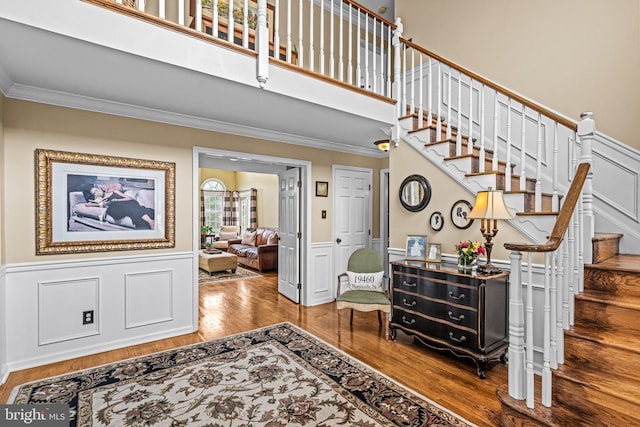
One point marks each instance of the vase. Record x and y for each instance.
(467, 265)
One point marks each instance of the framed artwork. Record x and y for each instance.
(322, 188)
(460, 214)
(434, 253)
(416, 248)
(94, 203)
(436, 221)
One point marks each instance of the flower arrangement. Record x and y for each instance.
(468, 251)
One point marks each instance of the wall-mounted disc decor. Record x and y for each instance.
(460, 214)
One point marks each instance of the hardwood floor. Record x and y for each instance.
(231, 307)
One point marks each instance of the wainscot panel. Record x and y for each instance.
(134, 299)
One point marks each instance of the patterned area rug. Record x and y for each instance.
(275, 376)
(241, 273)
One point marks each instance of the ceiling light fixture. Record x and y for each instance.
(383, 145)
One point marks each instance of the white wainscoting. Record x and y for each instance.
(4, 369)
(321, 288)
(135, 299)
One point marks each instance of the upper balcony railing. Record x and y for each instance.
(338, 39)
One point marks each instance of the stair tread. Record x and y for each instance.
(627, 301)
(613, 385)
(623, 262)
(580, 412)
(628, 341)
(605, 236)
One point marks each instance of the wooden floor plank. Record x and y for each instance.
(231, 307)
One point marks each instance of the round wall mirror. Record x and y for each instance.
(415, 193)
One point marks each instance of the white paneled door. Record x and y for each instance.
(289, 232)
(352, 213)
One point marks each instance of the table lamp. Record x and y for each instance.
(489, 206)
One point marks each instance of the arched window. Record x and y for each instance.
(212, 203)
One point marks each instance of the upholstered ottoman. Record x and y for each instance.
(217, 262)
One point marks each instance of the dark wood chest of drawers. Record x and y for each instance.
(448, 310)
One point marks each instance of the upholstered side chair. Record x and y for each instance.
(361, 288)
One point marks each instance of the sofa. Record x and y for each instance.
(78, 208)
(258, 249)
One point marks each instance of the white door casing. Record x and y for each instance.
(289, 234)
(352, 213)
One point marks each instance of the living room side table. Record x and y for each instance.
(444, 309)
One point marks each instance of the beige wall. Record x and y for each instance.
(228, 178)
(570, 56)
(267, 202)
(445, 191)
(28, 126)
(2, 178)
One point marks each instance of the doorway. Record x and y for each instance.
(246, 162)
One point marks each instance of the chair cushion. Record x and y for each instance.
(364, 301)
(365, 281)
(249, 238)
(365, 260)
(227, 235)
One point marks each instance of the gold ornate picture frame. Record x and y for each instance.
(97, 203)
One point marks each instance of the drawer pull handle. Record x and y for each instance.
(404, 320)
(461, 339)
(461, 297)
(405, 283)
(404, 301)
(457, 319)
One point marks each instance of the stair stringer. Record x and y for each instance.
(536, 228)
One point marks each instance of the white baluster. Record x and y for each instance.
(529, 334)
(119, 1)
(439, 101)
(382, 56)
(230, 22)
(587, 131)
(566, 280)
(373, 57)
(429, 99)
(403, 105)
(181, 12)
(538, 196)
(358, 65)
(507, 172)
(331, 43)
(366, 52)
(161, 9)
(214, 18)
(546, 334)
(341, 49)
(573, 254)
(459, 119)
(300, 29)
(482, 130)
(413, 82)
(289, 42)
(470, 139)
(312, 52)
(141, 5)
(198, 17)
(449, 121)
(554, 310)
(517, 361)
(555, 200)
(420, 96)
(523, 151)
(397, 76)
(245, 24)
(321, 36)
(496, 128)
(276, 31)
(350, 44)
(389, 94)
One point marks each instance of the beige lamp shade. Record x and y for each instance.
(490, 205)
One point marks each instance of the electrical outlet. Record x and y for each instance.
(87, 317)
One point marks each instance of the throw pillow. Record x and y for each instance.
(249, 238)
(365, 281)
(272, 239)
(228, 236)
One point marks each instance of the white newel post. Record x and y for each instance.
(263, 44)
(516, 377)
(397, 80)
(586, 133)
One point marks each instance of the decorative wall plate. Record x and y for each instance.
(460, 214)
(436, 221)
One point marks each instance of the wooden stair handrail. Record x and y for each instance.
(530, 104)
(564, 217)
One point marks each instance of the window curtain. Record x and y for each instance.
(253, 206)
(202, 208)
(235, 207)
(227, 209)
